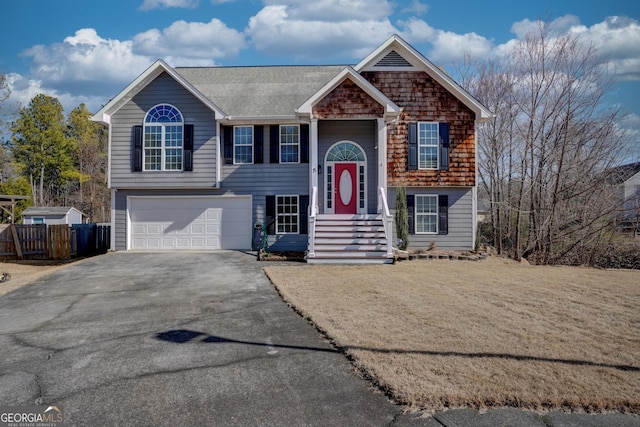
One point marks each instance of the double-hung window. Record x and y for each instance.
(428, 147)
(287, 208)
(242, 144)
(163, 136)
(426, 214)
(289, 144)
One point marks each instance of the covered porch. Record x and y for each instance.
(349, 217)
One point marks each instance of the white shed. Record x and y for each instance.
(52, 215)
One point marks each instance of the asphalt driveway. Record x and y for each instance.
(174, 339)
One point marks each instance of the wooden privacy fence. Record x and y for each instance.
(40, 241)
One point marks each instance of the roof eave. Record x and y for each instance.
(151, 73)
(482, 113)
(391, 109)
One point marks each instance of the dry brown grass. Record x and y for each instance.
(25, 272)
(438, 334)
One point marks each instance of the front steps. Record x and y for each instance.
(350, 239)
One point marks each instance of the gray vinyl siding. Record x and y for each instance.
(264, 179)
(362, 132)
(164, 90)
(461, 223)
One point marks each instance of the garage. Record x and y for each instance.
(189, 222)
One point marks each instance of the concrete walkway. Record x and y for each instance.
(191, 339)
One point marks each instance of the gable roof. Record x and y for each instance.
(283, 92)
(259, 92)
(390, 108)
(389, 56)
(150, 74)
(620, 174)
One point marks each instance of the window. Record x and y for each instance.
(428, 145)
(289, 144)
(163, 136)
(37, 220)
(287, 215)
(242, 144)
(426, 214)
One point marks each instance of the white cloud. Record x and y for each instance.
(192, 41)
(163, 4)
(617, 39)
(335, 10)
(85, 61)
(416, 7)
(447, 46)
(23, 89)
(98, 68)
(274, 30)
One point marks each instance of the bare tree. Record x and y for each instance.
(543, 158)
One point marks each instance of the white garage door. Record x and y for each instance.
(176, 223)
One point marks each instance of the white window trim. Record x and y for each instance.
(244, 145)
(297, 215)
(415, 214)
(163, 147)
(281, 144)
(437, 146)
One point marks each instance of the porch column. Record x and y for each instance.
(382, 159)
(313, 155)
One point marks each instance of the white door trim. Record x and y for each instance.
(329, 187)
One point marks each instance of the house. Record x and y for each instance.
(626, 182)
(199, 156)
(52, 215)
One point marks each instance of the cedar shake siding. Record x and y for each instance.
(424, 100)
(163, 90)
(348, 101)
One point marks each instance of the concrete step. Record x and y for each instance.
(355, 217)
(350, 261)
(349, 228)
(322, 248)
(348, 235)
(380, 240)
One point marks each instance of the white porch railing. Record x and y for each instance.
(388, 222)
(313, 212)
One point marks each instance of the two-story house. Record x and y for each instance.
(199, 156)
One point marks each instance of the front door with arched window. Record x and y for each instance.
(345, 179)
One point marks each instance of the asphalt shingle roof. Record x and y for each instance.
(259, 91)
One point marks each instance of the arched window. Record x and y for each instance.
(163, 136)
(345, 152)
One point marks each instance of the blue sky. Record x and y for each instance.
(87, 50)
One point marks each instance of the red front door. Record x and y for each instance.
(345, 188)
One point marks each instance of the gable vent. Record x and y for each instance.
(393, 59)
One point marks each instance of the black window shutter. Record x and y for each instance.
(274, 144)
(258, 144)
(270, 214)
(187, 146)
(304, 143)
(443, 130)
(136, 159)
(303, 207)
(413, 146)
(227, 142)
(411, 213)
(443, 214)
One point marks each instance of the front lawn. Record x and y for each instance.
(436, 334)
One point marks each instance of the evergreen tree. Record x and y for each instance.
(402, 219)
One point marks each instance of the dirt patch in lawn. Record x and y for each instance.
(25, 272)
(439, 334)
